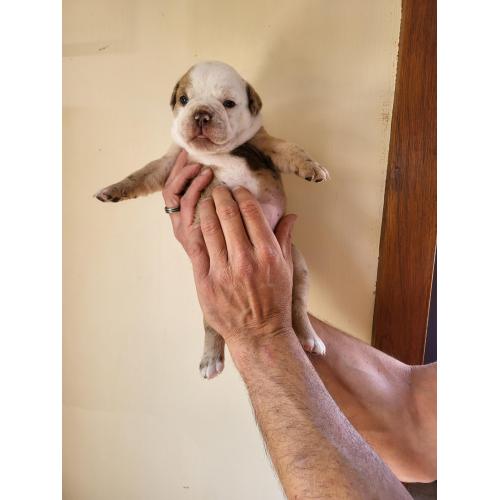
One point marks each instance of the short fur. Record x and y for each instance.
(240, 152)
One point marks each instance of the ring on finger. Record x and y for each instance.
(171, 210)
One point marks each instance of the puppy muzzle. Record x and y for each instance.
(202, 116)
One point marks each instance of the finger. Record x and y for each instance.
(175, 188)
(257, 226)
(235, 234)
(283, 233)
(212, 233)
(198, 254)
(172, 193)
(179, 164)
(190, 199)
(179, 184)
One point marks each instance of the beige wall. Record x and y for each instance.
(139, 423)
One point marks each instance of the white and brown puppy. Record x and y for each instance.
(217, 121)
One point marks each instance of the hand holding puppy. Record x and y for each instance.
(217, 121)
(243, 271)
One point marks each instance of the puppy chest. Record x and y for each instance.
(262, 184)
(235, 172)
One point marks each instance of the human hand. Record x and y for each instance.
(243, 271)
(183, 189)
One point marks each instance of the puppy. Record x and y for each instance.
(217, 120)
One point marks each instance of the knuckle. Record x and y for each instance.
(244, 267)
(209, 226)
(221, 254)
(229, 211)
(190, 171)
(166, 191)
(270, 255)
(249, 207)
(195, 250)
(222, 274)
(171, 200)
(220, 189)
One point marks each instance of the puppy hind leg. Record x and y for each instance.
(212, 360)
(305, 332)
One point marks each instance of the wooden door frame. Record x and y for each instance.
(408, 238)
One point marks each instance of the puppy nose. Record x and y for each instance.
(202, 116)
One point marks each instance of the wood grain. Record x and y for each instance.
(408, 239)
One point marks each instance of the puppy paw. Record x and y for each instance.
(312, 171)
(211, 366)
(113, 193)
(313, 345)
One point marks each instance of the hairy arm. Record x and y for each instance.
(243, 275)
(316, 451)
(392, 405)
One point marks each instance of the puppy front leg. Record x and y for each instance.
(212, 361)
(147, 180)
(289, 158)
(300, 319)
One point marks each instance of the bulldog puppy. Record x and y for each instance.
(217, 120)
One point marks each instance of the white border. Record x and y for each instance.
(468, 250)
(30, 258)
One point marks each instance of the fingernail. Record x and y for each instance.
(205, 172)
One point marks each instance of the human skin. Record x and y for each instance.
(243, 274)
(392, 405)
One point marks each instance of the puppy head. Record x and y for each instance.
(215, 110)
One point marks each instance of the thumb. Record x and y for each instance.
(283, 234)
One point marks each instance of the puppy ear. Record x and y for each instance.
(254, 101)
(173, 99)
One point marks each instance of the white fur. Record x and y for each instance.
(211, 83)
(230, 170)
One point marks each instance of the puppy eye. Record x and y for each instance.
(183, 100)
(229, 104)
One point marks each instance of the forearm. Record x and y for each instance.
(244, 279)
(391, 404)
(315, 450)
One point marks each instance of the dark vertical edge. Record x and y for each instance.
(431, 340)
(408, 238)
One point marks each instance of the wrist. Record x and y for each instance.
(250, 351)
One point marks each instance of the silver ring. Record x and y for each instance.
(171, 210)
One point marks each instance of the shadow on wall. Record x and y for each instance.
(337, 220)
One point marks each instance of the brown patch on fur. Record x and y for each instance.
(254, 100)
(181, 88)
(255, 158)
(173, 99)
